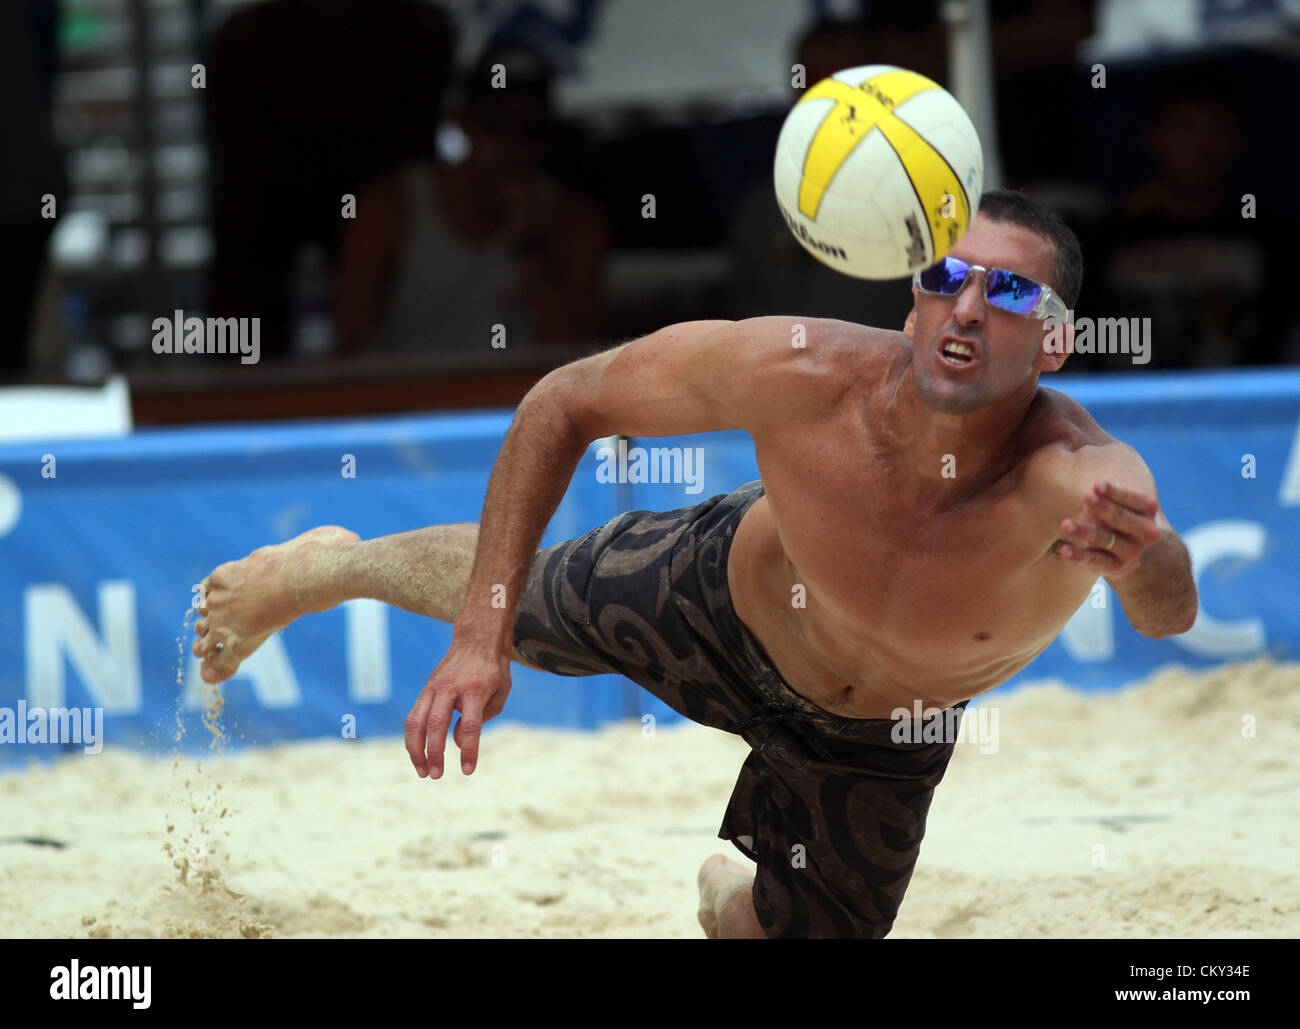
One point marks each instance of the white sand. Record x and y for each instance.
(600, 834)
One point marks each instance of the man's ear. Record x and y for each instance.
(909, 326)
(1058, 344)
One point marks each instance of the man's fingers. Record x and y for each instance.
(218, 654)
(415, 725)
(1100, 559)
(1097, 537)
(436, 730)
(1123, 520)
(199, 647)
(1131, 499)
(467, 731)
(468, 680)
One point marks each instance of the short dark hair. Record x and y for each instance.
(1008, 205)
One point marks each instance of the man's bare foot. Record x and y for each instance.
(245, 601)
(726, 904)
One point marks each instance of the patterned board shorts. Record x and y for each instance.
(830, 809)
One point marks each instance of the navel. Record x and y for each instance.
(981, 636)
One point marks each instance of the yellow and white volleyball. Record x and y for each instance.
(878, 171)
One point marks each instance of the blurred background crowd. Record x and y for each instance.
(350, 173)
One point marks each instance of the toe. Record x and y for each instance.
(219, 660)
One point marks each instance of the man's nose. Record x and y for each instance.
(971, 306)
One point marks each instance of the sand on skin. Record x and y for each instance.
(1144, 813)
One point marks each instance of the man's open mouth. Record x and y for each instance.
(958, 353)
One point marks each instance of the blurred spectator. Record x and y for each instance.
(442, 252)
(309, 100)
(32, 167)
(773, 273)
(1181, 249)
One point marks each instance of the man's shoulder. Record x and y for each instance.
(787, 370)
(830, 331)
(1059, 418)
(1069, 451)
(821, 348)
(865, 337)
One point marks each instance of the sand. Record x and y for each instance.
(1144, 813)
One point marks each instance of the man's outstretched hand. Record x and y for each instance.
(471, 680)
(1107, 509)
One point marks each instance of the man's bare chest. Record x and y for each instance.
(864, 558)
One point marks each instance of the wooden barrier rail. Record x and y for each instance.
(222, 390)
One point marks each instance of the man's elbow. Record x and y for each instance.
(1193, 605)
(1187, 627)
(551, 401)
(1178, 630)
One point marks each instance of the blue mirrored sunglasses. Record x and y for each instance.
(1005, 290)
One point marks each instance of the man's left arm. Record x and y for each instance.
(1121, 532)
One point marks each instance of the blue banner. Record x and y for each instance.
(102, 543)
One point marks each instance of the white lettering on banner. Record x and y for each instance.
(55, 628)
(269, 669)
(11, 504)
(369, 678)
(1207, 544)
(1089, 635)
(1289, 493)
(58, 635)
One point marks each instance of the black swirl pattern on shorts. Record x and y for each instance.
(831, 809)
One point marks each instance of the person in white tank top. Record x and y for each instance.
(456, 257)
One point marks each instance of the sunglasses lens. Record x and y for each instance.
(1013, 292)
(945, 277)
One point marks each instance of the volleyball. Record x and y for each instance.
(878, 171)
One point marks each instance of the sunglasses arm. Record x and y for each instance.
(1049, 304)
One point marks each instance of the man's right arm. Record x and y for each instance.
(685, 378)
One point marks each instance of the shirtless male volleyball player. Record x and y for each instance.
(923, 528)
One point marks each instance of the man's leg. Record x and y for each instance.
(425, 571)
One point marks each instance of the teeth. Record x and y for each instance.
(960, 348)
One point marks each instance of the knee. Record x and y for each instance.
(738, 921)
